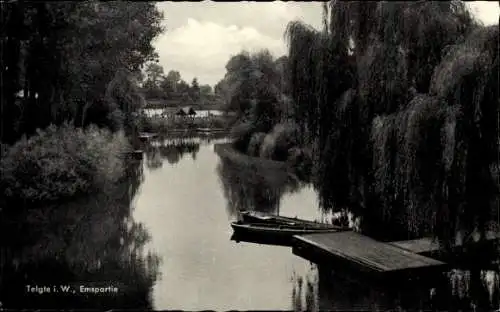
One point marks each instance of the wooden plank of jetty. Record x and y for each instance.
(427, 245)
(351, 250)
(420, 246)
(460, 253)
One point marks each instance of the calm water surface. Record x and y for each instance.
(187, 203)
(163, 237)
(185, 210)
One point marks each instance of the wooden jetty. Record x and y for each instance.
(427, 245)
(460, 253)
(356, 252)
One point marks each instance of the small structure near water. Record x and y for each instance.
(144, 136)
(186, 111)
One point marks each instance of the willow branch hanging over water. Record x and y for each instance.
(396, 146)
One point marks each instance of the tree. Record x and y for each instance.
(239, 87)
(166, 86)
(250, 79)
(154, 73)
(395, 145)
(218, 88)
(283, 68)
(64, 55)
(206, 94)
(205, 90)
(173, 78)
(194, 90)
(153, 84)
(182, 87)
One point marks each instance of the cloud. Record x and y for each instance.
(269, 18)
(201, 36)
(485, 11)
(202, 49)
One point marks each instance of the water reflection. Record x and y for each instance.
(255, 188)
(91, 242)
(183, 207)
(323, 288)
(305, 290)
(174, 148)
(316, 289)
(472, 288)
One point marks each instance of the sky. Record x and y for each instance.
(200, 37)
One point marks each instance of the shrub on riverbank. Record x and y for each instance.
(281, 144)
(241, 134)
(277, 142)
(60, 163)
(255, 144)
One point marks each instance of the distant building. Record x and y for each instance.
(186, 111)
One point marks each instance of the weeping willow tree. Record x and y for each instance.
(412, 155)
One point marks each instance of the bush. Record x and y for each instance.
(59, 163)
(277, 143)
(241, 135)
(255, 144)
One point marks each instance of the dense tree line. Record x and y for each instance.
(255, 79)
(157, 85)
(72, 62)
(400, 102)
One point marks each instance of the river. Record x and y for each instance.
(163, 239)
(186, 212)
(187, 204)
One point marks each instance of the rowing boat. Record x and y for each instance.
(265, 218)
(281, 233)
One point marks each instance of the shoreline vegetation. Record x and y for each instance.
(172, 123)
(227, 150)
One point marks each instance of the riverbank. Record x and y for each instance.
(227, 151)
(169, 123)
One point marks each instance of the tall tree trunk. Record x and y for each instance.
(13, 16)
